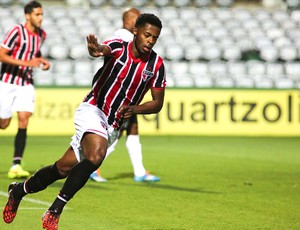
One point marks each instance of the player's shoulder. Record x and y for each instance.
(113, 41)
(16, 27)
(157, 59)
(156, 55)
(115, 44)
(42, 33)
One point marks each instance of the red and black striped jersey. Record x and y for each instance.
(124, 80)
(24, 45)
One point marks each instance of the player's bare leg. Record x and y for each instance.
(94, 149)
(4, 122)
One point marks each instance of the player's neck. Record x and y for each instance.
(128, 27)
(30, 27)
(137, 54)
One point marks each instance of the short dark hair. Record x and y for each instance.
(148, 18)
(28, 8)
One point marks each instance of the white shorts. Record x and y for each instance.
(16, 98)
(89, 118)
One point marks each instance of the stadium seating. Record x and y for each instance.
(244, 81)
(284, 83)
(203, 3)
(59, 51)
(275, 70)
(44, 78)
(83, 72)
(205, 43)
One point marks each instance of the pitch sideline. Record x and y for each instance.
(35, 201)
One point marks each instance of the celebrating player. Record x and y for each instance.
(130, 69)
(133, 144)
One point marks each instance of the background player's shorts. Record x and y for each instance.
(89, 118)
(16, 98)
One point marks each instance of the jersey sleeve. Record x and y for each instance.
(11, 38)
(159, 81)
(115, 45)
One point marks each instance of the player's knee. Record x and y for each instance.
(97, 156)
(4, 124)
(63, 171)
(3, 127)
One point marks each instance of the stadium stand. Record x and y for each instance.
(205, 43)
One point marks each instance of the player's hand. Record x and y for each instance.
(45, 65)
(93, 46)
(127, 111)
(34, 62)
(39, 62)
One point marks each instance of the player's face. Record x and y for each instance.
(146, 37)
(35, 18)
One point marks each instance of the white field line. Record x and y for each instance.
(35, 201)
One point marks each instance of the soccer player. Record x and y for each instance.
(133, 144)
(130, 69)
(19, 54)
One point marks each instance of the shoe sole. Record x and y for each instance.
(10, 188)
(45, 223)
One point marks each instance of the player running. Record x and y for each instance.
(130, 69)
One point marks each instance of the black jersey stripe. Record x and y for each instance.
(122, 92)
(13, 38)
(23, 32)
(107, 85)
(113, 75)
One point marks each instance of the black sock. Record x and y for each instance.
(20, 142)
(42, 178)
(38, 182)
(59, 203)
(18, 192)
(77, 178)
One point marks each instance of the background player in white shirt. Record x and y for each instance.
(133, 144)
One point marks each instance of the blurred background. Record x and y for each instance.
(233, 66)
(205, 43)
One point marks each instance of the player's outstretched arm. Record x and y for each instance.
(94, 48)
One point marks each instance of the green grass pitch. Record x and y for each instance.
(206, 183)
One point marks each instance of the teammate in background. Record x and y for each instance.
(128, 72)
(131, 126)
(19, 54)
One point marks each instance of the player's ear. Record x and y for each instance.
(134, 31)
(27, 17)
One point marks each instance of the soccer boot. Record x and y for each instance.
(96, 176)
(11, 207)
(17, 172)
(146, 178)
(50, 220)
